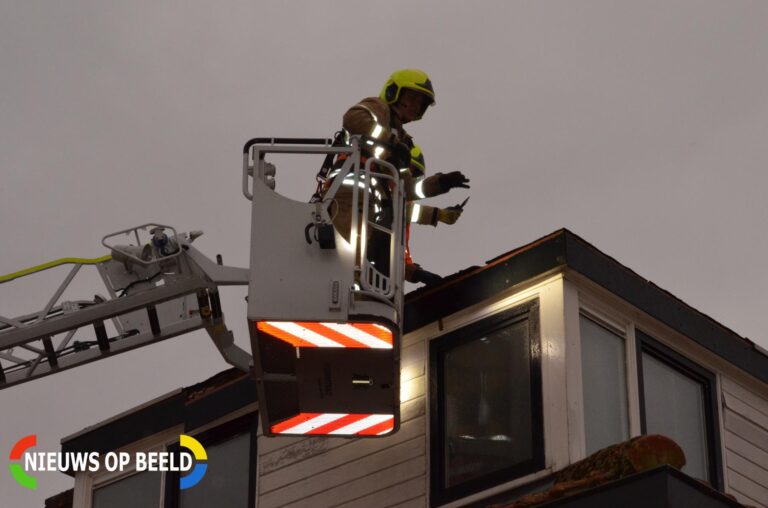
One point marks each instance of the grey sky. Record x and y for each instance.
(641, 126)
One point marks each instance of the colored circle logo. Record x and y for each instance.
(198, 471)
(17, 471)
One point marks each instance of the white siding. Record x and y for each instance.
(312, 472)
(746, 443)
(392, 472)
(389, 472)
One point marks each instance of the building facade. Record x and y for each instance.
(509, 373)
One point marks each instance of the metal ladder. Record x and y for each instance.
(153, 296)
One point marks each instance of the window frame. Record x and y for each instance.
(117, 476)
(644, 343)
(246, 424)
(620, 334)
(528, 311)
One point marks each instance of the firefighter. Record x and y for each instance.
(404, 98)
(423, 214)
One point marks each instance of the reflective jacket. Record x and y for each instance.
(373, 117)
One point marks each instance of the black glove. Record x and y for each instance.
(427, 278)
(452, 180)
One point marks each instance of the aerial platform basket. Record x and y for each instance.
(324, 318)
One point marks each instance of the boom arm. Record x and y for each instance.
(156, 291)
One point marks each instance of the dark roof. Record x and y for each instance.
(563, 249)
(193, 406)
(60, 500)
(662, 487)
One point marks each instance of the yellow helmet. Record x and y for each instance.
(413, 79)
(418, 166)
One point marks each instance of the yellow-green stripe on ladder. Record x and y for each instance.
(53, 264)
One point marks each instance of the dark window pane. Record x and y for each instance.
(604, 381)
(675, 407)
(487, 400)
(141, 490)
(226, 480)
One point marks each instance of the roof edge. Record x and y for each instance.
(565, 248)
(664, 306)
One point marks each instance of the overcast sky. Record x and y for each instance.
(640, 126)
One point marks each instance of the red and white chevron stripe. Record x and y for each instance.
(315, 334)
(336, 424)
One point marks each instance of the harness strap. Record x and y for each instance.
(327, 166)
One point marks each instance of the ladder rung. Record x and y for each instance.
(154, 323)
(53, 360)
(203, 304)
(215, 304)
(101, 336)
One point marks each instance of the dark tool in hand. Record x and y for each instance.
(459, 207)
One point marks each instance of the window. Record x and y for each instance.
(604, 384)
(226, 480)
(141, 490)
(231, 473)
(229, 479)
(486, 408)
(678, 401)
